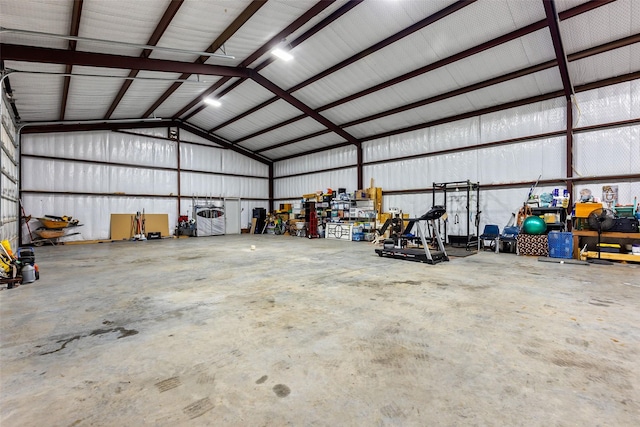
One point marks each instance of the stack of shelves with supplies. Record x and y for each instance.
(352, 218)
(554, 216)
(625, 233)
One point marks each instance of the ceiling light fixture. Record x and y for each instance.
(212, 102)
(282, 54)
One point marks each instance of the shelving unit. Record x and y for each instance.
(558, 211)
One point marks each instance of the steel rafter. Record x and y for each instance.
(75, 27)
(162, 26)
(446, 61)
(237, 23)
(326, 21)
(90, 59)
(281, 93)
(556, 37)
(581, 88)
(274, 41)
(358, 56)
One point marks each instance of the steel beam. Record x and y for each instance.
(162, 26)
(237, 23)
(75, 26)
(90, 59)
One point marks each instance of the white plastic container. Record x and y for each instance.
(28, 274)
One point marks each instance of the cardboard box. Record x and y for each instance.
(584, 209)
(360, 195)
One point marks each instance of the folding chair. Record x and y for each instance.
(491, 234)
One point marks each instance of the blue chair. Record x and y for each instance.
(491, 234)
(510, 237)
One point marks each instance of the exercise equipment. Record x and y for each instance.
(395, 246)
(534, 225)
(469, 239)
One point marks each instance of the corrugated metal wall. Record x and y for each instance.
(90, 175)
(9, 207)
(502, 148)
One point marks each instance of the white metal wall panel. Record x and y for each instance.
(613, 151)
(217, 186)
(326, 140)
(119, 20)
(160, 132)
(78, 177)
(9, 178)
(367, 24)
(494, 165)
(196, 157)
(196, 25)
(616, 62)
(95, 211)
(531, 119)
(234, 162)
(141, 94)
(297, 186)
(302, 127)
(346, 156)
(189, 137)
(126, 148)
(103, 146)
(72, 145)
(522, 161)
(461, 133)
(422, 172)
(45, 16)
(607, 104)
(635, 98)
(610, 22)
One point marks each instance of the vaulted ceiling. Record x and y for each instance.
(362, 70)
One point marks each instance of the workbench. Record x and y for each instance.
(607, 236)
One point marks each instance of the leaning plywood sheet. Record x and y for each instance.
(121, 225)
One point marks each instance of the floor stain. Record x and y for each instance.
(123, 332)
(281, 390)
(64, 344)
(198, 408)
(168, 384)
(262, 379)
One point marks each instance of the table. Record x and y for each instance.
(606, 235)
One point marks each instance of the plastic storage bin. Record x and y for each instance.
(560, 244)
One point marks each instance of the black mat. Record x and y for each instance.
(459, 252)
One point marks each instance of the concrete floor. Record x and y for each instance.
(205, 331)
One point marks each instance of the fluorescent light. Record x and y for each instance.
(286, 56)
(213, 102)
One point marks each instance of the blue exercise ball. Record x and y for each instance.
(534, 225)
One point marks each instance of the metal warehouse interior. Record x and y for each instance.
(115, 107)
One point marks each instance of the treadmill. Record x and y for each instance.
(395, 248)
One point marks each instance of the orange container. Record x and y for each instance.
(584, 209)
